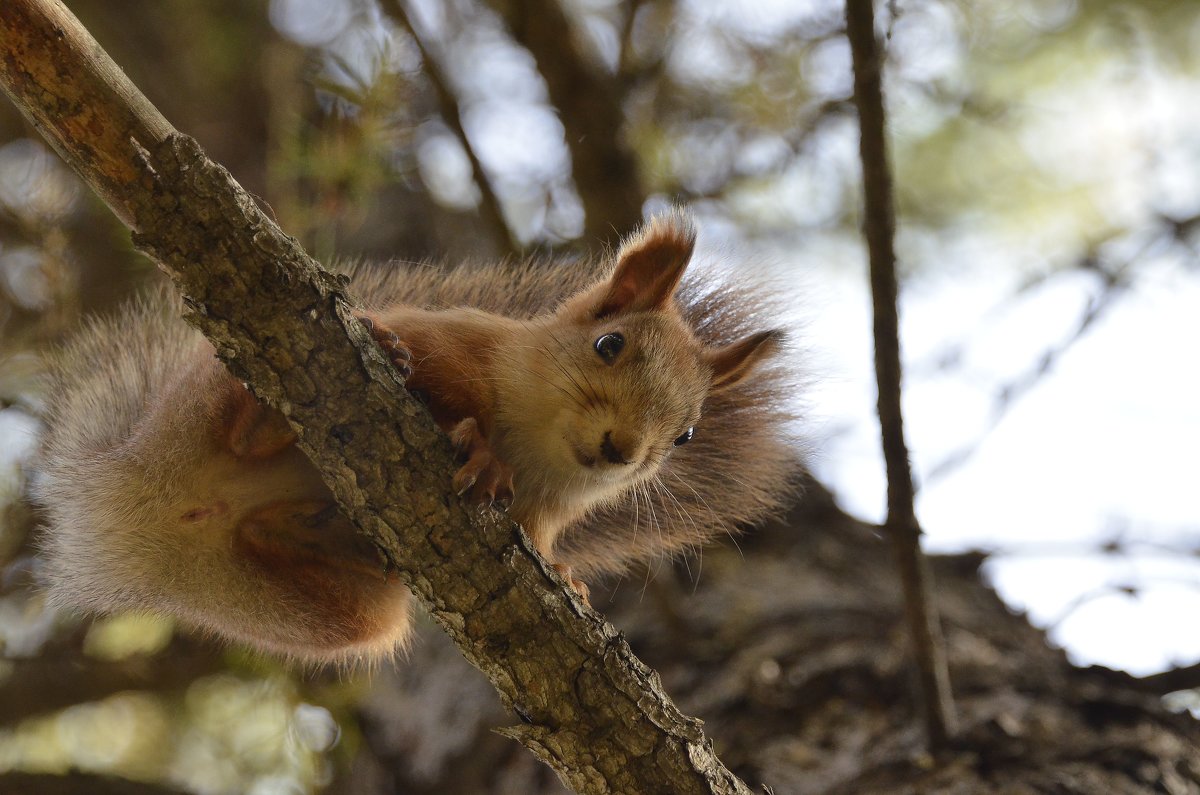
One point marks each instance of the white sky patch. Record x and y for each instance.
(445, 168)
(1110, 435)
(310, 22)
(761, 21)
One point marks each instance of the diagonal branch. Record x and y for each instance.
(879, 228)
(40, 685)
(590, 707)
(1170, 681)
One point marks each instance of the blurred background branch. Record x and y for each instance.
(490, 210)
(590, 106)
(879, 229)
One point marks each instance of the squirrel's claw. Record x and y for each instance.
(504, 493)
(578, 586)
(484, 476)
(395, 349)
(464, 479)
(465, 437)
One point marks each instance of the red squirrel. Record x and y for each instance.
(573, 392)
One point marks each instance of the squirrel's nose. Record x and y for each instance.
(611, 452)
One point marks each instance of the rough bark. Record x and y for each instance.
(282, 324)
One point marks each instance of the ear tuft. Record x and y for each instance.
(650, 265)
(732, 363)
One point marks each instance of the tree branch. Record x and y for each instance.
(879, 227)
(604, 169)
(590, 707)
(79, 784)
(1185, 678)
(490, 209)
(60, 677)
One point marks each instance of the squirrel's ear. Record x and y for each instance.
(733, 362)
(649, 266)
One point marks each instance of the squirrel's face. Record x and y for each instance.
(612, 399)
(593, 398)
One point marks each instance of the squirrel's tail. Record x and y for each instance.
(147, 510)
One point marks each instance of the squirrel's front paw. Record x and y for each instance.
(483, 476)
(395, 349)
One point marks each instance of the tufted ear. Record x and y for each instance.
(732, 363)
(649, 267)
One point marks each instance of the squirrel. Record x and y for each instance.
(621, 412)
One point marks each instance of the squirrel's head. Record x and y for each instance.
(616, 377)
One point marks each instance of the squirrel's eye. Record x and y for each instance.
(609, 346)
(685, 437)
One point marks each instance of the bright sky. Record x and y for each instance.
(1104, 447)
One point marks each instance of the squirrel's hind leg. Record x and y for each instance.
(253, 430)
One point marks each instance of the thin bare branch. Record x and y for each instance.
(490, 209)
(52, 681)
(879, 227)
(1185, 678)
